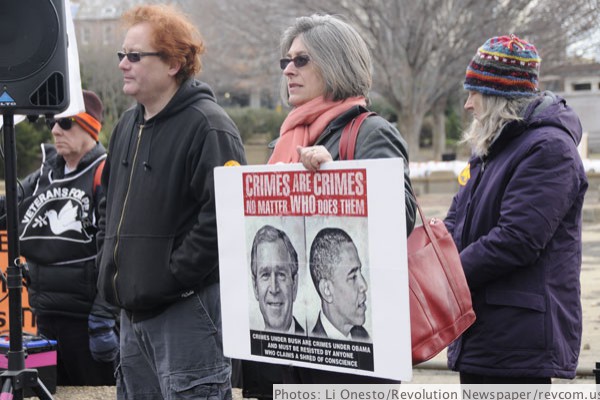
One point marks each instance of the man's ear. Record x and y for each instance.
(174, 68)
(295, 288)
(325, 290)
(255, 287)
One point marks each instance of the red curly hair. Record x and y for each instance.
(174, 36)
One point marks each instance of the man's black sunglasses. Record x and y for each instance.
(64, 123)
(135, 56)
(299, 61)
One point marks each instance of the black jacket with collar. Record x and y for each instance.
(158, 228)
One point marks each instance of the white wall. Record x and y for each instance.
(587, 106)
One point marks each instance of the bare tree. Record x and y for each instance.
(421, 48)
(242, 43)
(100, 72)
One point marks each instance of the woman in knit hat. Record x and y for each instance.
(57, 232)
(516, 221)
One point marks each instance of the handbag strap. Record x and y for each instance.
(349, 135)
(347, 148)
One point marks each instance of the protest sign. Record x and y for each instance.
(313, 266)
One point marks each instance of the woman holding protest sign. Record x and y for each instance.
(327, 75)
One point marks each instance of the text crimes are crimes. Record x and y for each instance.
(324, 183)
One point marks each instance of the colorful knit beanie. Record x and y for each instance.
(91, 119)
(504, 66)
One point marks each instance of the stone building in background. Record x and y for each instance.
(579, 84)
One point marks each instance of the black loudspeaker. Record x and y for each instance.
(34, 75)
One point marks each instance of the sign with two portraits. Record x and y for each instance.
(313, 266)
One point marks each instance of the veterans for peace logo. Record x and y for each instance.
(464, 175)
(58, 213)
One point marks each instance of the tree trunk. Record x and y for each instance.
(409, 124)
(439, 130)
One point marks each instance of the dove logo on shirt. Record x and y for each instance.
(64, 220)
(58, 213)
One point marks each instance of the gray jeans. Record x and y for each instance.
(177, 354)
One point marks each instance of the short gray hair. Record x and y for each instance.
(497, 113)
(339, 52)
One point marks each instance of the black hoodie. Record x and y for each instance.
(158, 232)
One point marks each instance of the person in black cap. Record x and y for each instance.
(57, 232)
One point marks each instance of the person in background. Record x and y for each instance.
(336, 271)
(57, 234)
(327, 75)
(159, 259)
(517, 223)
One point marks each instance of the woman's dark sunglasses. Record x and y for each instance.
(299, 61)
(64, 123)
(135, 56)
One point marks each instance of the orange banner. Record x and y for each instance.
(28, 317)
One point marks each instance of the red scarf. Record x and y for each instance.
(305, 123)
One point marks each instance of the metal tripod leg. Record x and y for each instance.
(15, 383)
(7, 390)
(16, 378)
(41, 391)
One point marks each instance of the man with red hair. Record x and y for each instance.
(159, 260)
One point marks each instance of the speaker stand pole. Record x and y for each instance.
(16, 378)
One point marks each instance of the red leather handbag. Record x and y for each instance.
(440, 299)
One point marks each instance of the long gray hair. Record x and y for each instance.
(338, 51)
(497, 113)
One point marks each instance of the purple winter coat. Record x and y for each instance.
(517, 226)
